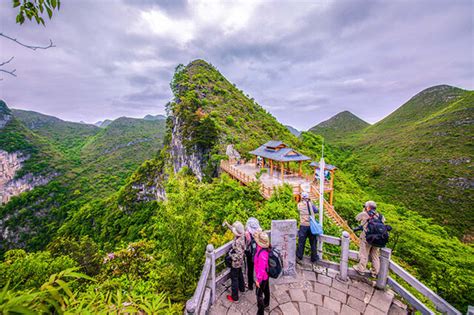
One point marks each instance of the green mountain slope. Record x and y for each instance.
(112, 155)
(65, 135)
(203, 96)
(339, 126)
(95, 163)
(16, 137)
(421, 156)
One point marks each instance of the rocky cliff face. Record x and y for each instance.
(4, 119)
(10, 163)
(179, 157)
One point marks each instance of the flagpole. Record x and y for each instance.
(322, 165)
(321, 199)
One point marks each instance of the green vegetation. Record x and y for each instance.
(339, 126)
(90, 163)
(64, 135)
(14, 136)
(206, 101)
(420, 156)
(135, 244)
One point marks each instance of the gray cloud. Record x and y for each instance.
(302, 61)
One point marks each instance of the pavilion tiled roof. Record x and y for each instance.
(328, 167)
(284, 154)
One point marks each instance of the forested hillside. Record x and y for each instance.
(65, 135)
(80, 162)
(145, 242)
(421, 156)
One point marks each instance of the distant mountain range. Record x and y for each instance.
(73, 161)
(293, 130)
(420, 155)
(105, 123)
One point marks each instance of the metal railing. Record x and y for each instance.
(205, 293)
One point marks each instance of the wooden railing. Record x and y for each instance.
(267, 192)
(335, 216)
(205, 293)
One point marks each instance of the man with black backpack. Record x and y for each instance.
(374, 236)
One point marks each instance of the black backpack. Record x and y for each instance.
(252, 247)
(228, 258)
(275, 263)
(377, 232)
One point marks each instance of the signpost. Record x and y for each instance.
(283, 239)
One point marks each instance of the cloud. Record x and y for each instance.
(302, 61)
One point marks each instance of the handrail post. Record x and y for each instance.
(212, 255)
(385, 254)
(345, 240)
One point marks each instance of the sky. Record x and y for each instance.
(303, 61)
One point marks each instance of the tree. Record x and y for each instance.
(35, 9)
(30, 9)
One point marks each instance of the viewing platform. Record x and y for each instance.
(312, 293)
(334, 289)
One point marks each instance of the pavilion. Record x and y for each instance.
(276, 154)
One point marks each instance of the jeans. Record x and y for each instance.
(237, 278)
(263, 302)
(249, 269)
(303, 233)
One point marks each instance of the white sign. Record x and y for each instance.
(283, 239)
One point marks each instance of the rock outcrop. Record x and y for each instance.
(179, 156)
(10, 186)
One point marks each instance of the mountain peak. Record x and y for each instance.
(339, 126)
(422, 105)
(154, 117)
(4, 110)
(5, 114)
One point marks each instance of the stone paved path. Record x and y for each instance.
(313, 293)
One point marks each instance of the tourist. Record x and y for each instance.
(306, 208)
(261, 274)
(367, 251)
(237, 255)
(252, 227)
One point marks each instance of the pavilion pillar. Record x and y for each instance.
(271, 167)
(300, 170)
(282, 170)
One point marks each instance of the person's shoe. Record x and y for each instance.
(250, 288)
(299, 261)
(229, 297)
(362, 273)
(317, 269)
